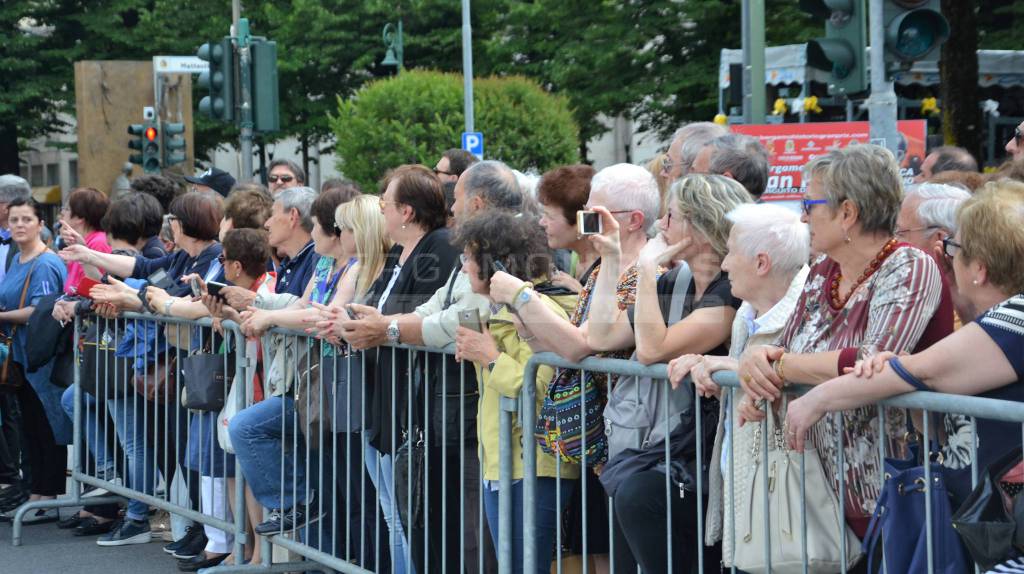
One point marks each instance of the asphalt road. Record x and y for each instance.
(45, 549)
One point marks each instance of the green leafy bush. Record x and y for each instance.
(415, 116)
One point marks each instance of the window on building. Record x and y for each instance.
(73, 173)
(37, 178)
(52, 174)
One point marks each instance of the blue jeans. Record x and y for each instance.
(271, 452)
(128, 413)
(381, 471)
(548, 516)
(91, 422)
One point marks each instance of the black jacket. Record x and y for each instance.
(425, 271)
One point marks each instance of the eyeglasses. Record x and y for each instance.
(950, 247)
(442, 172)
(808, 204)
(282, 178)
(904, 232)
(221, 259)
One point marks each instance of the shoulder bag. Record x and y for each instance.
(103, 374)
(825, 528)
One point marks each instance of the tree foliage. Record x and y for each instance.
(414, 116)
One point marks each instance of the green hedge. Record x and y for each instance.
(415, 116)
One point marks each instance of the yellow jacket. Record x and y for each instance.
(506, 380)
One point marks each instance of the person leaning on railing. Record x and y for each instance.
(985, 357)
(866, 293)
(768, 248)
(695, 229)
(33, 273)
(519, 245)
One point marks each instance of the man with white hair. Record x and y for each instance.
(686, 144)
(928, 214)
(12, 188)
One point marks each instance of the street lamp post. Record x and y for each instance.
(395, 46)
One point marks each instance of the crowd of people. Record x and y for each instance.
(869, 290)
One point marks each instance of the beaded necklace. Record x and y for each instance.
(836, 302)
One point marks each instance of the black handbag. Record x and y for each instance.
(103, 375)
(206, 377)
(991, 532)
(410, 480)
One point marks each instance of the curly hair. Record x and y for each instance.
(517, 242)
(248, 206)
(160, 187)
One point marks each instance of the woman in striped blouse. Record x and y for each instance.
(865, 293)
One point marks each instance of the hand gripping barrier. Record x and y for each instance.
(920, 406)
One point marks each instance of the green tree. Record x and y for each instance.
(412, 117)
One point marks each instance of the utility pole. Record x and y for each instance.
(243, 42)
(467, 66)
(882, 103)
(754, 99)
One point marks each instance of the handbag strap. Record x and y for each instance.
(14, 328)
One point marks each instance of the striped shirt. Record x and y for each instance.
(888, 312)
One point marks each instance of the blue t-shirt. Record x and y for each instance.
(294, 272)
(48, 275)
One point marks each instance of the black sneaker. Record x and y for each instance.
(92, 527)
(72, 521)
(288, 520)
(195, 546)
(127, 532)
(190, 533)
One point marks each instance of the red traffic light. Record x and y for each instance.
(151, 134)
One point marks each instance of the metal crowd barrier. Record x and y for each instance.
(925, 404)
(321, 452)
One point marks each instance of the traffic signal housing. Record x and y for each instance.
(220, 80)
(137, 143)
(151, 147)
(265, 115)
(173, 148)
(842, 51)
(914, 30)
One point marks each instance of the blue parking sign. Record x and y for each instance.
(473, 142)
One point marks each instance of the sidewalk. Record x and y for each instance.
(45, 549)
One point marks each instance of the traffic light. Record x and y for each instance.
(914, 29)
(265, 114)
(220, 80)
(137, 143)
(843, 49)
(173, 147)
(151, 147)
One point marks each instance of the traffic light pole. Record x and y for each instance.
(467, 66)
(243, 39)
(882, 103)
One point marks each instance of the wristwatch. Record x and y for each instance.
(392, 332)
(490, 366)
(522, 298)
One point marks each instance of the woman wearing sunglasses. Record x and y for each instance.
(865, 293)
(983, 357)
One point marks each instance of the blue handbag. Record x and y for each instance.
(899, 522)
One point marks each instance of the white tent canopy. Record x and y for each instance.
(788, 65)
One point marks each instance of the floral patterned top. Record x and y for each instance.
(888, 312)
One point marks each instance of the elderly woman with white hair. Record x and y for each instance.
(688, 310)
(766, 262)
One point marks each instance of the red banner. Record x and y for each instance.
(791, 146)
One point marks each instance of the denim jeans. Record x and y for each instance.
(128, 413)
(381, 471)
(91, 421)
(547, 513)
(270, 448)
